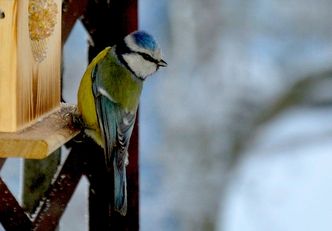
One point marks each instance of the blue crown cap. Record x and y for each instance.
(145, 40)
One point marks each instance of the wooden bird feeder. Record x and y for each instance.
(33, 123)
(30, 46)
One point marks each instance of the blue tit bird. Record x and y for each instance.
(108, 99)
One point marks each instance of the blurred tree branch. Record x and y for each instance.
(302, 92)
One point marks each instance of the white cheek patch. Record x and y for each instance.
(140, 66)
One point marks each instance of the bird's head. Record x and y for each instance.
(140, 53)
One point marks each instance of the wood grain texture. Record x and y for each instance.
(8, 63)
(29, 88)
(42, 138)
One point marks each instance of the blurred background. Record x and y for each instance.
(235, 134)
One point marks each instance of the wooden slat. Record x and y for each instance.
(61, 191)
(53, 204)
(8, 63)
(42, 138)
(12, 216)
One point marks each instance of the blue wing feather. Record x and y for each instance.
(116, 126)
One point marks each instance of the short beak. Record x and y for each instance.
(162, 63)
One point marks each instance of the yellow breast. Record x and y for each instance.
(86, 102)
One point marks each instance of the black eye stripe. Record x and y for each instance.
(147, 57)
(122, 49)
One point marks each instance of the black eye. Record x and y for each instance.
(147, 57)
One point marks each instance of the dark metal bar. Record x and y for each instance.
(12, 216)
(59, 194)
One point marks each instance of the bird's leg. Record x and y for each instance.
(78, 123)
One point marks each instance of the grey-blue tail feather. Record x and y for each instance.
(120, 187)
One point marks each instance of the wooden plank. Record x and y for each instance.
(42, 138)
(38, 62)
(8, 63)
(29, 61)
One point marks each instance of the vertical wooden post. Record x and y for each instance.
(107, 22)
